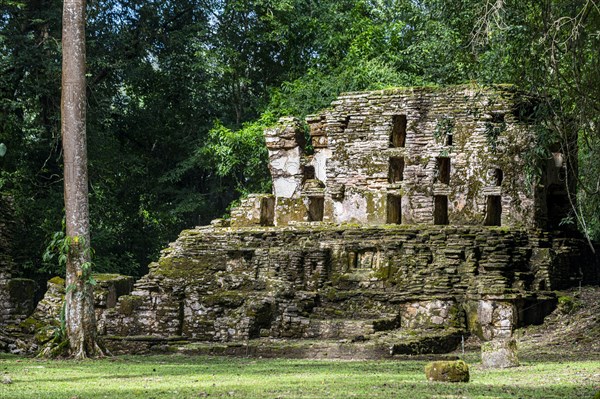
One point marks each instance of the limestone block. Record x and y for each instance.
(431, 314)
(447, 371)
(499, 353)
(255, 210)
(496, 318)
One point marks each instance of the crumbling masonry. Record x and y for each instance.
(404, 220)
(413, 213)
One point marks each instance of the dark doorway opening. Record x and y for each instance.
(267, 211)
(497, 117)
(396, 171)
(493, 216)
(449, 139)
(558, 206)
(316, 206)
(498, 177)
(443, 170)
(309, 172)
(394, 209)
(398, 135)
(440, 209)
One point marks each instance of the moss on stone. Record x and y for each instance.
(178, 267)
(447, 371)
(30, 325)
(57, 280)
(230, 299)
(128, 304)
(568, 304)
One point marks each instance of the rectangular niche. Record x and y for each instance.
(394, 209)
(443, 170)
(396, 170)
(498, 177)
(316, 206)
(493, 211)
(267, 211)
(440, 209)
(309, 172)
(398, 134)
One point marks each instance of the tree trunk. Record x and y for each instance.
(79, 310)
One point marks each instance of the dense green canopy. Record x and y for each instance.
(179, 91)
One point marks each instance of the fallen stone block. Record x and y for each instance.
(447, 371)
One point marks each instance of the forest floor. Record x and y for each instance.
(571, 332)
(559, 359)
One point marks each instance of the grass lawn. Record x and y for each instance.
(198, 377)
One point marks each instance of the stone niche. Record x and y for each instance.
(453, 155)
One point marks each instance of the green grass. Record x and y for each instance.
(197, 377)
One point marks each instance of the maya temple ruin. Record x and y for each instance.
(400, 221)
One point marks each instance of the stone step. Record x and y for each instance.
(410, 344)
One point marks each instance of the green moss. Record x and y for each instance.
(473, 324)
(30, 325)
(568, 304)
(187, 267)
(128, 304)
(44, 334)
(230, 299)
(447, 371)
(57, 280)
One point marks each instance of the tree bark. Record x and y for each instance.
(79, 309)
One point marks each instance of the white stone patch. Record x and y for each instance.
(285, 187)
(320, 163)
(288, 162)
(352, 209)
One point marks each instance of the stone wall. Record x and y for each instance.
(452, 155)
(39, 328)
(342, 282)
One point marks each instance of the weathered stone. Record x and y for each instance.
(499, 353)
(46, 316)
(385, 239)
(447, 371)
(305, 282)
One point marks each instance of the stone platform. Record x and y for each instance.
(367, 288)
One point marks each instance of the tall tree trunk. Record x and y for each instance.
(79, 311)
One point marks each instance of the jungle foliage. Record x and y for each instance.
(179, 91)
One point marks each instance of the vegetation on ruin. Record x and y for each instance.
(198, 377)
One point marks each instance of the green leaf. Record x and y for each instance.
(2, 149)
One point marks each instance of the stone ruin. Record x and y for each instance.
(400, 222)
(403, 221)
(25, 326)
